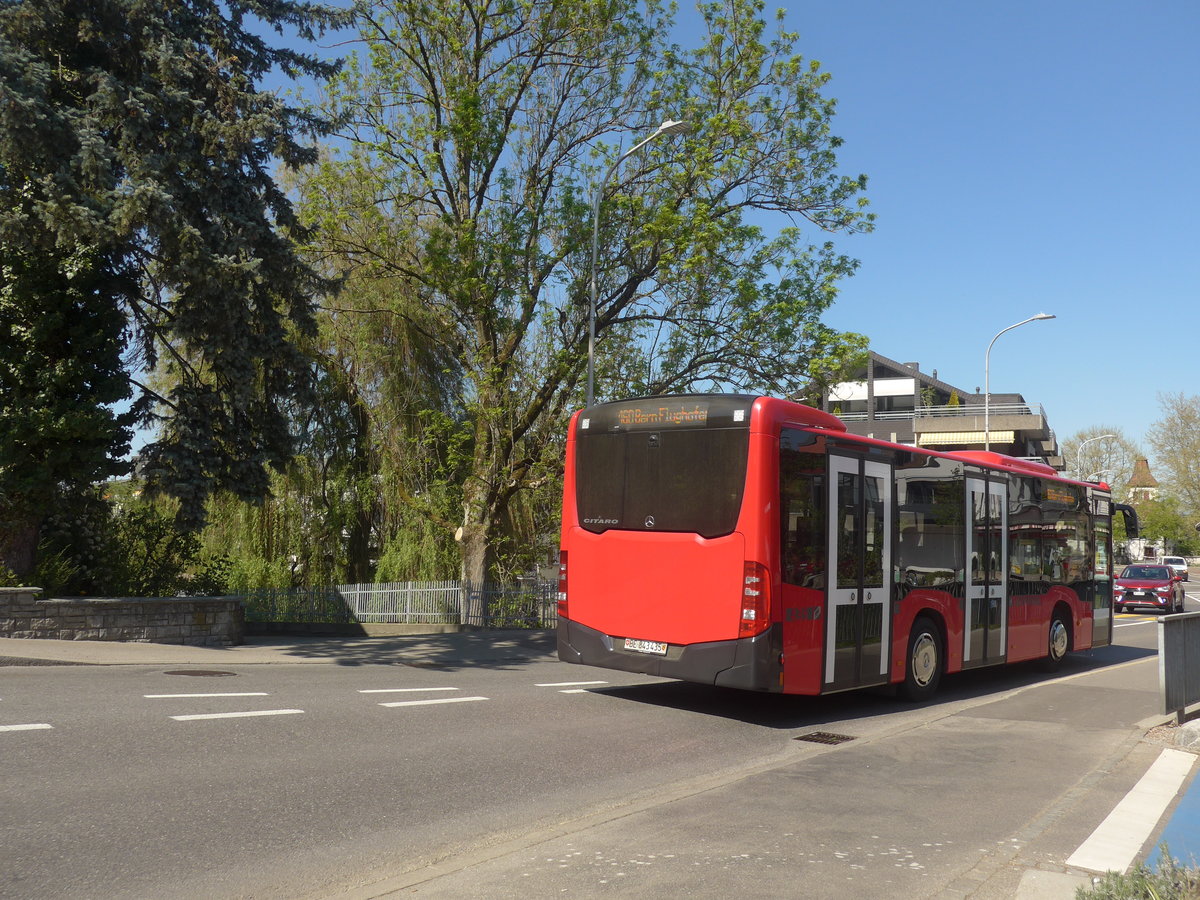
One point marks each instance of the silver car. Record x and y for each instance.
(1178, 565)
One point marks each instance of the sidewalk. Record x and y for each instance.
(457, 648)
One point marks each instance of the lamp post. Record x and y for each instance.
(987, 388)
(669, 126)
(1082, 444)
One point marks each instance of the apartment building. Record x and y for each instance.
(896, 401)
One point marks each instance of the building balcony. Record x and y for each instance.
(1027, 418)
(1011, 427)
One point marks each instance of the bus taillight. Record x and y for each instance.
(756, 600)
(562, 584)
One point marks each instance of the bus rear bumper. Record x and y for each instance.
(748, 663)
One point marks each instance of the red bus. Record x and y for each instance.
(754, 543)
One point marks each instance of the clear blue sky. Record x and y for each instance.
(1024, 157)
(1027, 156)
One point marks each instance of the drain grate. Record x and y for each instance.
(824, 737)
(200, 673)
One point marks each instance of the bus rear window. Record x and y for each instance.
(674, 479)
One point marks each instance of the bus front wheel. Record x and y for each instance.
(923, 669)
(1059, 643)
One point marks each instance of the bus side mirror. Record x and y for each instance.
(1131, 518)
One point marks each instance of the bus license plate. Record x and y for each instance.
(658, 647)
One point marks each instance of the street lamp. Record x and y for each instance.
(1079, 449)
(669, 126)
(987, 389)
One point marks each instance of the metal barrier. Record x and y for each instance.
(1179, 662)
(526, 604)
(406, 601)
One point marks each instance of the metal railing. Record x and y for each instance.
(1179, 662)
(975, 409)
(526, 604)
(309, 606)
(889, 414)
(407, 602)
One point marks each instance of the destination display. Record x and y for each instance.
(693, 412)
(660, 414)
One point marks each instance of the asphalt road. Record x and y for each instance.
(535, 778)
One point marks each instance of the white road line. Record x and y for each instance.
(576, 691)
(246, 694)
(569, 683)
(240, 715)
(405, 690)
(24, 727)
(433, 702)
(1116, 841)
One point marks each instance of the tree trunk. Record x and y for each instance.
(18, 546)
(358, 547)
(475, 544)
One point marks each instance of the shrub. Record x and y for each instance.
(1170, 881)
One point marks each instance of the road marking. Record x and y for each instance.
(246, 694)
(24, 727)
(239, 715)
(576, 691)
(569, 683)
(1116, 841)
(405, 690)
(433, 702)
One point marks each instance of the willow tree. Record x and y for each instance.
(137, 197)
(475, 131)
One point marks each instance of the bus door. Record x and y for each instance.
(858, 629)
(986, 613)
(1102, 580)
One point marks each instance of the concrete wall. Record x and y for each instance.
(197, 621)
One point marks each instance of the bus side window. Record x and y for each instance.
(1024, 535)
(802, 512)
(930, 496)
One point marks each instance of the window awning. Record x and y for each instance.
(937, 438)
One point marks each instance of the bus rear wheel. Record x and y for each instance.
(923, 667)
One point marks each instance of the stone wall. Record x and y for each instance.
(197, 621)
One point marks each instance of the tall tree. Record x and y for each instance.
(133, 137)
(1161, 519)
(476, 129)
(60, 372)
(1175, 439)
(1104, 452)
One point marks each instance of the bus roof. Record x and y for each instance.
(779, 411)
(806, 416)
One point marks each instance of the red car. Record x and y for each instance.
(1149, 585)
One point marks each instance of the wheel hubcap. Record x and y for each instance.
(924, 659)
(1058, 639)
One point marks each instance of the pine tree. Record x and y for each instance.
(140, 219)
